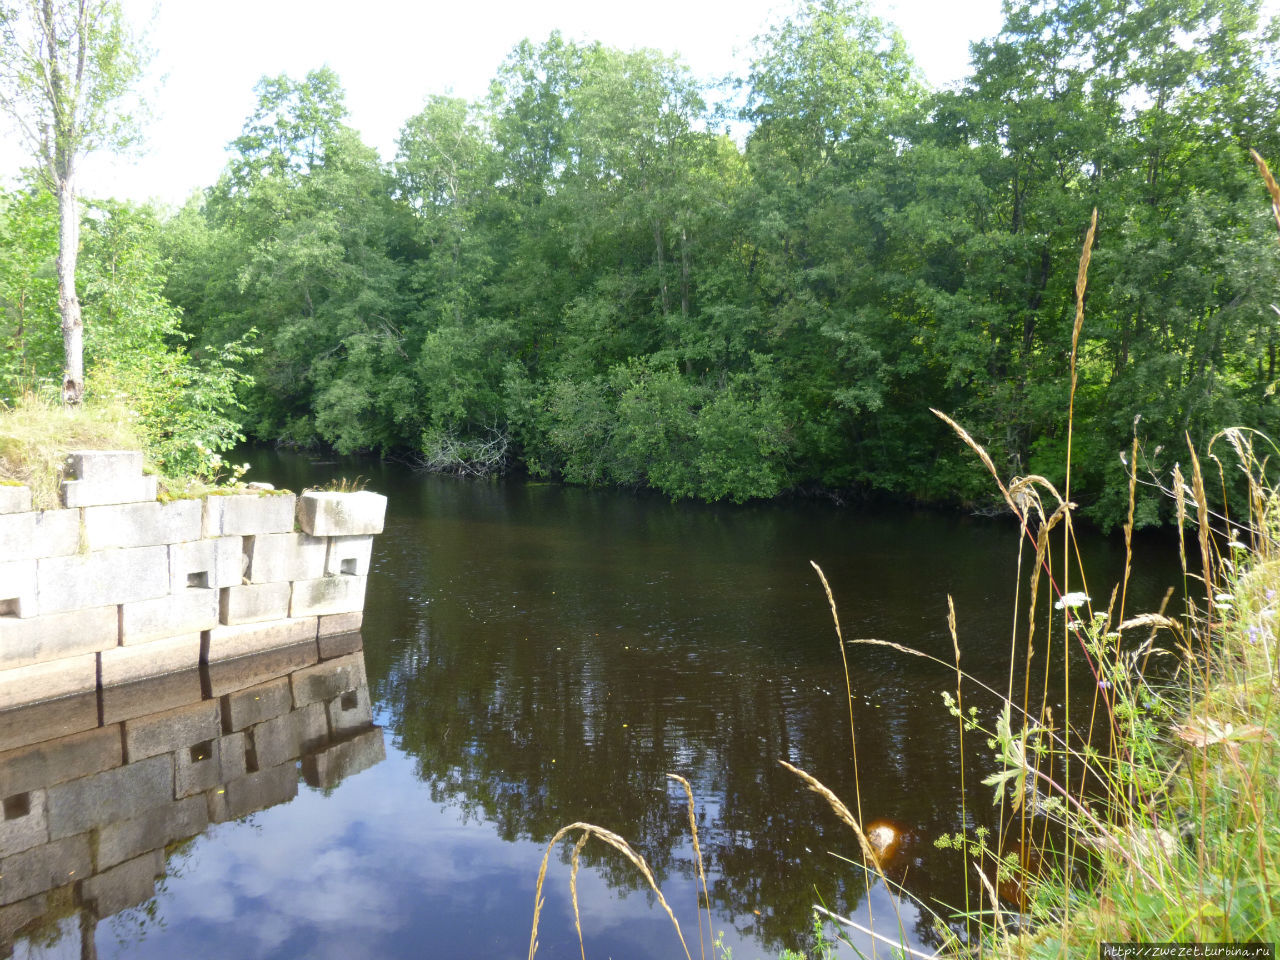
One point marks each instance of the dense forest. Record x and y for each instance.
(608, 272)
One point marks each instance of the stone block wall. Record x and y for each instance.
(117, 586)
(85, 815)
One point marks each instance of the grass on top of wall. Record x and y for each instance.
(37, 432)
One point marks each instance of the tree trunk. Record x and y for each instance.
(68, 302)
(662, 267)
(684, 273)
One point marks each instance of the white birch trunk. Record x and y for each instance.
(68, 301)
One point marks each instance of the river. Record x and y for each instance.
(539, 655)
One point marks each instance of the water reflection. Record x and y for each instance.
(103, 794)
(552, 653)
(540, 655)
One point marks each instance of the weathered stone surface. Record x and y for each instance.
(275, 557)
(34, 536)
(48, 681)
(44, 867)
(248, 514)
(257, 791)
(123, 840)
(328, 595)
(226, 676)
(25, 824)
(14, 499)
(188, 611)
(17, 589)
(349, 712)
(339, 644)
(15, 916)
(232, 757)
(104, 466)
(197, 768)
(141, 661)
(106, 477)
(348, 556)
(328, 767)
(112, 795)
(257, 703)
(125, 885)
(341, 514)
(255, 602)
(337, 623)
(141, 524)
(148, 696)
(287, 737)
(327, 680)
(57, 761)
(57, 635)
(172, 730)
(49, 720)
(227, 642)
(207, 564)
(102, 577)
(91, 493)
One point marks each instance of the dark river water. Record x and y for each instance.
(538, 655)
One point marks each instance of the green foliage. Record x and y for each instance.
(293, 243)
(182, 406)
(30, 345)
(134, 345)
(67, 70)
(584, 275)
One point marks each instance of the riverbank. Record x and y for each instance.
(1151, 818)
(1196, 854)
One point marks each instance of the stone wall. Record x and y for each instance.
(118, 587)
(87, 815)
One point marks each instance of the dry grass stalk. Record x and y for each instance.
(1180, 508)
(840, 810)
(982, 455)
(955, 647)
(995, 900)
(853, 924)
(573, 890)
(619, 844)
(697, 854)
(955, 639)
(1128, 524)
(1150, 620)
(1272, 187)
(848, 685)
(1082, 280)
(1202, 522)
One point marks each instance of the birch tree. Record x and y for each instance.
(67, 68)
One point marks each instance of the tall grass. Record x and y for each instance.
(37, 431)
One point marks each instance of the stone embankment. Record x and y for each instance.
(90, 817)
(164, 666)
(118, 586)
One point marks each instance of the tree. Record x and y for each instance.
(295, 242)
(66, 68)
(28, 290)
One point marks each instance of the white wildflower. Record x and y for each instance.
(1069, 601)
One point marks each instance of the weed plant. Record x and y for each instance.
(1148, 808)
(37, 431)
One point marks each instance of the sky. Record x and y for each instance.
(392, 54)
